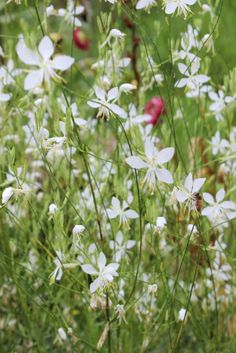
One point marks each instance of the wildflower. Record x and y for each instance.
(145, 4)
(155, 108)
(80, 40)
(78, 229)
(120, 246)
(60, 262)
(153, 162)
(121, 210)
(115, 34)
(160, 223)
(52, 209)
(182, 314)
(104, 103)
(182, 6)
(104, 273)
(42, 59)
(7, 194)
(220, 102)
(71, 12)
(191, 80)
(218, 145)
(218, 211)
(62, 333)
(188, 192)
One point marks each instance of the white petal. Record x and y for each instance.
(190, 2)
(228, 205)
(181, 196)
(95, 285)
(7, 194)
(220, 195)
(183, 69)
(111, 213)
(113, 93)
(164, 175)
(93, 104)
(195, 66)
(201, 78)
(149, 148)
(117, 110)
(188, 184)
(101, 260)
(131, 214)
(46, 48)
(5, 97)
(208, 198)
(197, 184)
(33, 79)
(62, 62)
(170, 8)
(26, 55)
(136, 162)
(181, 83)
(165, 155)
(130, 244)
(207, 211)
(89, 269)
(115, 202)
(100, 93)
(119, 237)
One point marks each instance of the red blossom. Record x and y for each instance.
(154, 107)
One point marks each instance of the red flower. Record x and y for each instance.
(80, 40)
(154, 107)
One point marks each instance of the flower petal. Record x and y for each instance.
(26, 55)
(89, 269)
(62, 62)
(33, 79)
(46, 48)
(164, 175)
(165, 155)
(136, 162)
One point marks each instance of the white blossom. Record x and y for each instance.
(103, 272)
(42, 59)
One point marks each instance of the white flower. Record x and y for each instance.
(192, 79)
(182, 314)
(187, 193)
(104, 273)
(218, 211)
(7, 194)
(74, 111)
(120, 246)
(62, 333)
(182, 6)
(121, 210)
(78, 229)
(104, 103)
(219, 103)
(70, 12)
(60, 262)
(145, 4)
(153, 161)
(218, 145)
(115, 34)
(160, 223)
(42, 59)
(52, 209)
